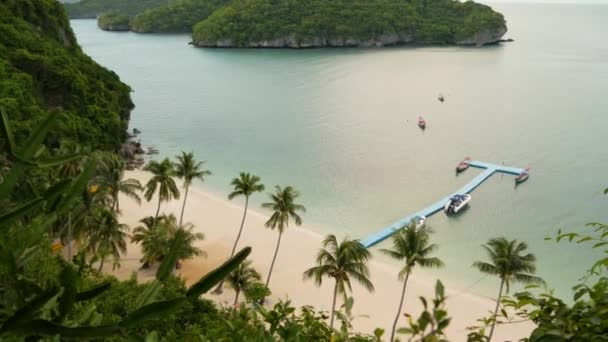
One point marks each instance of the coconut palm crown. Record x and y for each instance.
(341, 261)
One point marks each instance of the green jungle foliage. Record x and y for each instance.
(177, 16)
(428, 22)
(91, 9)
(114, 22)
(43, 70)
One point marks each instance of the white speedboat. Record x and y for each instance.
(420, 222)
(456, 203)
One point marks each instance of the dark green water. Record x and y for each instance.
(340, 126)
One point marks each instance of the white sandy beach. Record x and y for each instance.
(219, 220)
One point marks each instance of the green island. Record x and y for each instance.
(336, 23)
(114, 22)
(62, 120)
(175, 17)
(92, 9)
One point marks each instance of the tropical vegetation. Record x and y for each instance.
(341, 261)
(162, 179)
(91, 9)
(284, 209)
(114, 22)
(174, 16)
(188, 169)
(242, 279)
(242, 22)
(412, 247)
(510, 264)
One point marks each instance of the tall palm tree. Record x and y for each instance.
(245, 185)
(162, 179)
(110, 178)
(188, 169)
(342, 261)
(108, 237)
(241, 278)
(508, 262)
(412, 247)
(283, 209)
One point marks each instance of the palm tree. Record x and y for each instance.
(188, 169)
(108, 237)
(241, 278)
(283, 209)
(156, 239)
(110, 178)
(342, 261)
(508, 262)
(412, 247)
(162, 179)
(245, 185)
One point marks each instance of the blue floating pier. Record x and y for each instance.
(489, 170)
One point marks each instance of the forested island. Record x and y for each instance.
(336, 23)
(305, 24)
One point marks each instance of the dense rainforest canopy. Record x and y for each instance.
(336, 22)
(90, 9)
(43, 70)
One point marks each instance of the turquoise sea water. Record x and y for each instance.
(339, 124)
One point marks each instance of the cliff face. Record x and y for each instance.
(43, 70)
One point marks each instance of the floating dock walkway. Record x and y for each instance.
(489, 170)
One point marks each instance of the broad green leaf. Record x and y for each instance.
(36, 139)
(28, 311)
(6, 130)
(149, 294)
(78, 186)
(152, 311)
(93, 292)
(42, 327)
(169, 261)
(7, 218)
(212, 278)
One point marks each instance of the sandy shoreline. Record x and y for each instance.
(219, 220)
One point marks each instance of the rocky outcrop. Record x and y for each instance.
(116, 27)
(315, 42)
(484, 37)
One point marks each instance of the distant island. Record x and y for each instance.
(349, 23)
(303, 24)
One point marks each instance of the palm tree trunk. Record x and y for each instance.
(333, 307)
(103, 258)
(236, 298)
(69, 237)
(116, 202)
(502, 283)
(218, 289)
(157, 209)
(181, 217)
(274, 258)
(407, 275)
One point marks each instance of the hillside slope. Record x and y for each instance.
(43, 70)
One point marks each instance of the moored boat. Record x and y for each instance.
(440, 98)
(463, 165)
(421, 122)
(420, 222)
(456, 203)
(523, 176)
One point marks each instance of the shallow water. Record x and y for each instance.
(340, 125)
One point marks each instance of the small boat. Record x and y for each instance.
(421, 122)
(440, 98)
(456, 203)
(420, 222)
(523, 176)
(463, 165)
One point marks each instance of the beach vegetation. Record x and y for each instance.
(284, 209)
(189, 169)
(162, 180)
(412, 248)
(242, 278)
(343, 261)
(509, 263)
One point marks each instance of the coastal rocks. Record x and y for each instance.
(133, 151)
(117, 27)
(484, 37)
